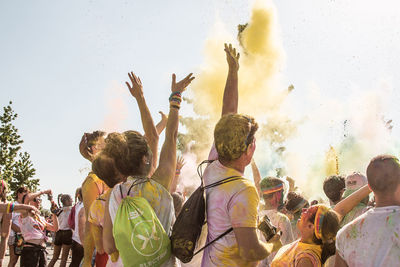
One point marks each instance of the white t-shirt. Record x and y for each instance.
(280, 221)
(233, 204)
(63, 218)
(158, 197)
(75, 232)
(372, 239)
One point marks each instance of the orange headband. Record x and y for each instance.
(273, 189)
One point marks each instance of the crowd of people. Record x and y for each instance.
(125, 209)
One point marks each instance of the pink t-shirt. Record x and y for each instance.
(233, 204)
(32, 228)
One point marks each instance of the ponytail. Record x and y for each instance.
(326, 227)
(58, 199)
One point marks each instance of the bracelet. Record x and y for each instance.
(175, 99)
(174, 106)
(179, 94)
(12, 207)
(8, 208)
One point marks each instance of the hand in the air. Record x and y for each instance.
(232, 57)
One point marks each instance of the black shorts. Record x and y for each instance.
(63, 237)
(33, 257)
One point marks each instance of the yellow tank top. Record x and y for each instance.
(292, 253)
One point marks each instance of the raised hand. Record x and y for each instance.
(137, 88)
(164, 118)
(232, 57)
(180, 162)
(83, 148)
(181, 85)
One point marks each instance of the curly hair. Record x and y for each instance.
(233, 134)
(123, 153)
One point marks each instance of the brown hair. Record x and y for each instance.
(383, 174)
(20, 190)
(89, 140)
(123, 153)
(334, 186)
(78, 194)
(329, 228)
(233, 134)
(295, 203)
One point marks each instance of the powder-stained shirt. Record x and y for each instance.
(291, 254)
(280, 221)
(233, 204)
(158, 197)
(92, 187)
(96, 212)
(354, 213)
(372, 239)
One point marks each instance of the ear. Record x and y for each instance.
(145, 160)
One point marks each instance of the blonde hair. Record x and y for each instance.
(233, 134)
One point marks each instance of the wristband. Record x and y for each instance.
(8, 208)
(174, 106)
(12, 207)
(175, 94)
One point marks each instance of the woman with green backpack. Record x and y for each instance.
(139, 212)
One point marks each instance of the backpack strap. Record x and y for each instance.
(223, 181)
(220, 182)
(210, 243)
(140, 180)
(200, 169)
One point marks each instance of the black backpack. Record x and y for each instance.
(187, 228)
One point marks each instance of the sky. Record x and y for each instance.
(64, 63)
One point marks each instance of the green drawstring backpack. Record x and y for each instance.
(139, 236)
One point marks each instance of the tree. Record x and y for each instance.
(16, 166)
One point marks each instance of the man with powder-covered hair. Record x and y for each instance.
(233, 204)
(373, 239)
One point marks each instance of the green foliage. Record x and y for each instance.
(16, 166)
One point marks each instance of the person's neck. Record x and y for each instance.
(382, 202)
(307, 240)
(235, 164)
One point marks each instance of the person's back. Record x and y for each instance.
(372, 239)
(233, 204)
(157, 196)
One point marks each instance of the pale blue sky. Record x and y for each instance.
(59, 61)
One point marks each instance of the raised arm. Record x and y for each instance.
(53, 226)
(162, 123)
(30, 196)
(230, 99)
(165, 171)
(149, 128)
(256, 176)
(347, 204)
(179, 164)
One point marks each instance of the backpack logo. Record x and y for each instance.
(144, 242)
(134, 214)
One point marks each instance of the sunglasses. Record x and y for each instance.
(37, 200)
(246, 142)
